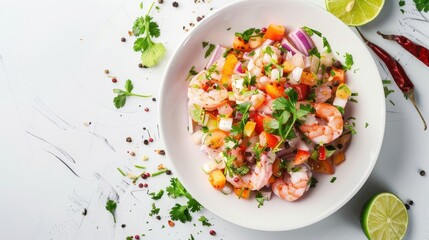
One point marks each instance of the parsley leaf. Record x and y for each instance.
(387, 91)
(243, 108)
(312, 182)
(327, 45)
(181, 213)
(122, 95)
(157, 196)
(154, 210)
(311, 31)
(422, 5)
(333, 179)
(145, 28)
(204, 221)
(260, 199)
(246, 35)
(111, 207)
(314, 52)
(286, 114)
(348, 61)
(209, 50)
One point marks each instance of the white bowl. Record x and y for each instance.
(364, 78)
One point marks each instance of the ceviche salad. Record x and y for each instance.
(269, 112)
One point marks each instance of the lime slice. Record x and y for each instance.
(355, 12)
(384, 217)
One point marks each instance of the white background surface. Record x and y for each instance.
(52, 58)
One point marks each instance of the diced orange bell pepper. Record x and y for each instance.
(301, 156)
(288, 67)
(240, 44)
(230, 62)
(275, 32)
(217, 179)
(268, 139)
(339, 75)
(242, 192)
(308, 78)
(215, 138)
(274, 90)
(249, 128)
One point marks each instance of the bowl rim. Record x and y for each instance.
(357, 186)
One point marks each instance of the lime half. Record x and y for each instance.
(384, 217)
(355, 12)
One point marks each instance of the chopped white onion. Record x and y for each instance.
(225, 124)
(267, 42)
(298, 60)
(213, 165)
(197, 137)
(340, 102)
(296, 74)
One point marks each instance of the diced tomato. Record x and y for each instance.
(275, 32)
(325, 167)
(274, 90)
(268, 139)
(301, 156)
(259, 119)
(322, 152)
(302, 90)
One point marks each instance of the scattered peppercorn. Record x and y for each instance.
(137, 237)
(199, 18)
(422, 172)
(146, 109)
(140, 185)
(132, 154)
(144, 176)
(106, 71)
(158, 217)
(407, 206)
(123, 39)
(123, 225)
(411, 202)
(236, 179)
(161, 152)
(145, 185)
(129, 139)
(150, 139)
(212, 232)
(170, 223)
(264, 29)
(147, 174)
(144, 128)
(145, 142)
(85, 211)
(140, 65)
(168, 172)
(153, 99)
(160, 1)
(175, 4)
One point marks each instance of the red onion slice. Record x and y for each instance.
(238, 68)
(301, 40)
(289, 46)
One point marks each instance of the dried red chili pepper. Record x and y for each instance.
(398, 73)
(417, 50)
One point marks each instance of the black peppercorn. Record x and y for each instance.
(175, 4)
(123, 39)
(128, 139)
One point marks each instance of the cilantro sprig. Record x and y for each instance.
(111, 207)
(204, 221)
(422, 5)
(243, 108)
(151, 52)
(286, 114)
(122, 95)
(251, 32)
(348, 61)
(181, 212)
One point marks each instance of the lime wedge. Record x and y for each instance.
(384, 217)
(355, 12)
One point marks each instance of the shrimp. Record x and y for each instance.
(325, 125)
(206, 92)
(294, 183)
(263, 56)
(258, 176)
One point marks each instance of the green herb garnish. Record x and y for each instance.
(246, 35)
(157, 196)
(204, 221)
(422, 5)
(260, 199)
(111, 207)
(154, 210)
(348, 61)
(122, 95)
(181, 212)
(151, 52)
(326, 45)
